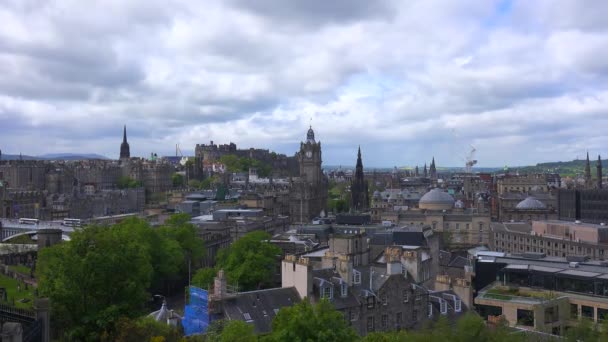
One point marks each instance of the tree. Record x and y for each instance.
(143, 329)
(177, 180)
(98, 276)
(126, 182)
(194, 183)
(250, 261)
(237, 331)
(307, 322)
(105, 273)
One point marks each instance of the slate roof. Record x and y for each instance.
(259, 307)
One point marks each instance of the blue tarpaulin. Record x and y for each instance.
(196, 314)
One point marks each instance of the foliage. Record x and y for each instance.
(307, 322)
(22, 239)
(195, 184)
(234, 163)
(143, 329)
(237, 331)
(249, 262)
(177, 180)
(105, 273)
(126, 182)
(203, 277)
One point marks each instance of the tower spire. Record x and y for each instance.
(588, 182)
(125, 152)
(124, 134)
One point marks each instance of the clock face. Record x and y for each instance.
(308, 154)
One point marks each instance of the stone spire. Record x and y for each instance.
(124, 147)
(417, 173)
(598, 167)
(359, 188)
(433, 170)
(588, 181)
(425, 172)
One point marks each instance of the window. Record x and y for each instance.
(430, 310)
(383, 298)
(370, 302)
(443, 306)
(415, 315)
(457, 225)
(384, 321)
(354, 316)
(457, 305)
(467, 226)
(525, 317)
(344, 289)
(418, 297)
(370, 324)
(587, 312)
(602, 314)
(406, 296)
(356, 277)
(327, 292)
(247, 316)
(551, 314)
(399, 318)
(573, 311)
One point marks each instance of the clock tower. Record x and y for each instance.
(309, 159)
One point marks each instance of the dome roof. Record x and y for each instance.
(530, 203)
(377, 194)
(437, 196)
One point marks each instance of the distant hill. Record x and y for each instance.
(568, 168)
(55, 156)
(72, 156)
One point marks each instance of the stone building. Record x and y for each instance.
(308, 196)
(551, 237)
(359, 190)
(438, 209)
(523, 184)
(514, 206)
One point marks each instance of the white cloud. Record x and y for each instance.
(524, 81)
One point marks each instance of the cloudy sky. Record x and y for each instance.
(522, 81)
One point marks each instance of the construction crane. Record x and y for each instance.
(470, 160)
(178, 153)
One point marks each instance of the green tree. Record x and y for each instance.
(237, 331)
(250, 261)
(143, 329)
(585, 330)
(177, 180)
(194, 183)
(100, 275)
(307, 322)
(126, 182)
(105, 273)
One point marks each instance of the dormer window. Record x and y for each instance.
(443, 305)
(457, 305)
(327, 292)
(343, 289)
(356, 277)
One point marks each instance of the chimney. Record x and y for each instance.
(393, 261)
(220, 285)
(297, 273)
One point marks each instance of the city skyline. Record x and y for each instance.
(524, 82)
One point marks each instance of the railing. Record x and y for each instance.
(17, 311)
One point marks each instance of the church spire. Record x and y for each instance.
(588, 182)
(125, 152)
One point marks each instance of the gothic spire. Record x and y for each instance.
(124, 134)
(588, 183)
